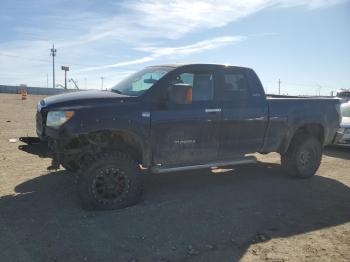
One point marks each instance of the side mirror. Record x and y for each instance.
(180, 94)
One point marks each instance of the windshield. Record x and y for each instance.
(345, 110)
(139, 82)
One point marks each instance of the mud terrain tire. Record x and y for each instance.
(110, 180)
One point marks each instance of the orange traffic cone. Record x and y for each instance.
(24, 94)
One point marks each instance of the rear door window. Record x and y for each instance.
(235, 86)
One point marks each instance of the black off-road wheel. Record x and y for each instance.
(74, 164)
(109, 181)
(303, 156)
(71, 166)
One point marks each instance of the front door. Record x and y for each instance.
(188, 133)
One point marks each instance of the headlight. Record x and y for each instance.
(57, 118)
(40, 105)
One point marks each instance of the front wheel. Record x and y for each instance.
(303, 156)
(110, 181)
(71, 166)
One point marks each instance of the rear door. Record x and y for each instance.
(189, 133)
(244, 112)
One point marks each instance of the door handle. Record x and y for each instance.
(213, 110)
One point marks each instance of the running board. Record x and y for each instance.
(237, 161)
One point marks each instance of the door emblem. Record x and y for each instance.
(146, 114)
(181, 142)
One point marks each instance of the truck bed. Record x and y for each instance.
(288, 113)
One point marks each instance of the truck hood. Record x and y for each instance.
(81, 98)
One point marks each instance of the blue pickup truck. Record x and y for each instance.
(179, 117)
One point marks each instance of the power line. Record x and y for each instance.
(46, 61)
(329, 86)
(25, 58)
(295, 84)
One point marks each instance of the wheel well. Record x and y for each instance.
(315, 130)
(106, 140)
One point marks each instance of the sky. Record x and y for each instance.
(305, 44)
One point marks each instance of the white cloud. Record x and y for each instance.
(180, 17)
(176, 18)
(176, 52)
(85, 36)
(194, 48)
(311, 4)
(120, 64)
(145, 20)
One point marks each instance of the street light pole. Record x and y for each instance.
(65, 68)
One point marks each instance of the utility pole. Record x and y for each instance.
(102, 82)
(53, 53)
(319, 89)
(279, 86)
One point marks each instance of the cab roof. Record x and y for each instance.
(176, 65)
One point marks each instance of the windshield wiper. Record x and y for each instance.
(117, 91)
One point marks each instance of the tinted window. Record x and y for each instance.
(202, 85)
(235, 86)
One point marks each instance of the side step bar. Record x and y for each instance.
(237, 161)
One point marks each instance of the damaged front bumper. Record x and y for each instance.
(342, 137)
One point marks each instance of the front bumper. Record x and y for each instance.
(342, 137)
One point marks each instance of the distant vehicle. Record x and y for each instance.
(343, 136)
(179, 117)
(343, 95)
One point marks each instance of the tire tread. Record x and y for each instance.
(85, 178)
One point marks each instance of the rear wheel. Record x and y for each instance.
(109, 181)
(303, 156)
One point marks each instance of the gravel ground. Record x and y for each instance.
(248, 213)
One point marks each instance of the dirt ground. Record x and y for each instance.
(247, 213)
